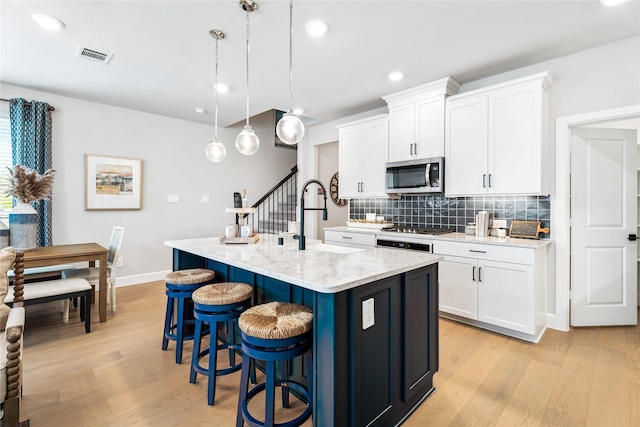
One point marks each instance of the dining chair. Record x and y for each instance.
(92, 274)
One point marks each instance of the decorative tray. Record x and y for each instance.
(240, 240)
(372, 225)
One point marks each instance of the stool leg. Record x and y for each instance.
(270, 405)
(180, 327)
(167, 323)
(195, 354)
(213, 357)
(244, 386)
(231, 336)
(308, 360)
(284, 366)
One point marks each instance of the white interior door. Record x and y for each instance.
(603, 211)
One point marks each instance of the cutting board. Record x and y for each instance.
(526, 229)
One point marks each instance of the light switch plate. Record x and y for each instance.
(173, 198)
(368, 315)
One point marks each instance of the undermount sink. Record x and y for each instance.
(336, 249)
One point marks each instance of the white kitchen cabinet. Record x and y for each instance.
(350, 239)
(416, 120)
(496, 139)
(499, 288)
(362, 154)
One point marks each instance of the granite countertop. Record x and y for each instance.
(321, 268)
(456, 237)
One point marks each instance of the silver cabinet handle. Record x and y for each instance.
(484, 181)
(411, 149)
(489, 180)
(473, 274)
(347, 237)
(415, 148)
(478, 252)
(480, 274)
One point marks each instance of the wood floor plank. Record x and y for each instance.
(529, 401)
(118, 376)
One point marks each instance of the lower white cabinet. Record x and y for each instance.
(350, 239)
(495, 287)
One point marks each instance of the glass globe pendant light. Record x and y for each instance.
(247, 141)
(290, 128)
(215, 150)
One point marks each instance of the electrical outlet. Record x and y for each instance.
(120, 262)
(368, 316)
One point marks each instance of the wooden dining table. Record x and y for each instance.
(65, 254)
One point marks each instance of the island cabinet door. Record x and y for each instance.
(419, 358)
(375, 346)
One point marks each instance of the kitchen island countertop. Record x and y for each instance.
(321, 268)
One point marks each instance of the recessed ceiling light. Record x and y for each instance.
(222, 88)
(394, 76)
(48, 22)
(316, 28)
(611, 2)
(199, 110)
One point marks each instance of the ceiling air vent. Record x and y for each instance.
(94, 55)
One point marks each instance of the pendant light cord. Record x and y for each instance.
(291, 56)
(247, 68)
(215, 89)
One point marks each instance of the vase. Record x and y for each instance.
(23, 227)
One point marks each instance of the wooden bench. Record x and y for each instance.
(58, 290)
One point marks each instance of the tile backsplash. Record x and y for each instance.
(453, 212)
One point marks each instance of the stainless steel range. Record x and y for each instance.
(413, 238)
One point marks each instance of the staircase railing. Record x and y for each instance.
(277, 207)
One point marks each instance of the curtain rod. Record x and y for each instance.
(51, 108)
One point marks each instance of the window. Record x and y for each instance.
(6, 202)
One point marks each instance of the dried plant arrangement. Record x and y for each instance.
(27, 185)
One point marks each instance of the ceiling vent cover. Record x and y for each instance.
(93, 54)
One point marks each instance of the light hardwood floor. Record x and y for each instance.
(118, 376)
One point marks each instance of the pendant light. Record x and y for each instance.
(247, 141)
(215, 150)
(290, 128)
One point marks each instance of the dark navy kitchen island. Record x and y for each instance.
(375, 328)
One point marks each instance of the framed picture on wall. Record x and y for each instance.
(112, 182)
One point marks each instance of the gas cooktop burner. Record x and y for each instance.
(422, 230)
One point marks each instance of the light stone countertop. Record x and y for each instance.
(321, 268)
(455, 237)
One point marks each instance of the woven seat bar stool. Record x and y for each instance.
(219, 302)
(275, 332)
(179, 288)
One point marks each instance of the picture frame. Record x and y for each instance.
(112, 183)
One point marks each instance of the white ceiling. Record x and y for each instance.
(163, 57)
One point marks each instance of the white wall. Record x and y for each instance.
(173, 162)
(327, 166)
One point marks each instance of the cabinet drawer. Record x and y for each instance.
(485, 252)
(344, 237)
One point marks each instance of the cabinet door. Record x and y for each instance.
(350, 162)
(466, 147)
(458, 288)
(429, 128)
(514, 154)
(401, 132)
(506, 295)
(375, 138)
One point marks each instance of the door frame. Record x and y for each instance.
(560, 203)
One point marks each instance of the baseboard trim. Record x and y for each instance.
(141, 278)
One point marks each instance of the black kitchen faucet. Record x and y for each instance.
(300, 237)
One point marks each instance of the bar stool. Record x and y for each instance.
(273, 332)
(220, 302)
(179, 288)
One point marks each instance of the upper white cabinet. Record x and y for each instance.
(416, 120)
(362, 154)
(496, 139)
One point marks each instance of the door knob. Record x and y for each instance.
(632, 237)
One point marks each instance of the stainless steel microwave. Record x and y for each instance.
(415, 176)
